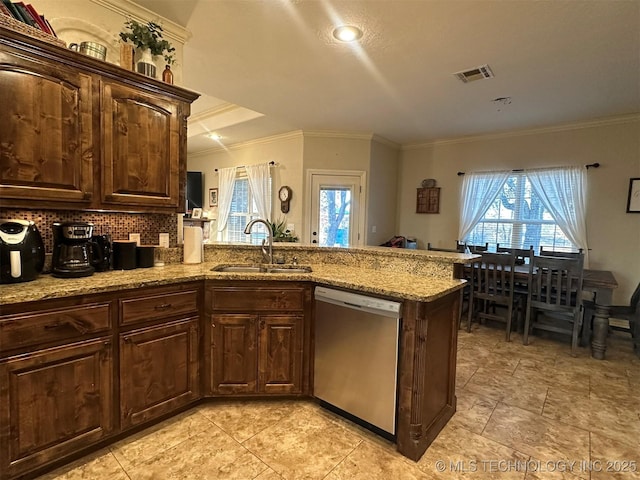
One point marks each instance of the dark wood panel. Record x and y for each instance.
(46, 131)
(159, 306)
(262, 299)
(54, 402)
(280, 364)
(234, 354)
(141, 149)
(19, 331)
(158, 370)
(427, 369)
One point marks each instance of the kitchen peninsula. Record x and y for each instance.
(117, 335)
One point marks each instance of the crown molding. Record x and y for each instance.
(129, 9)
(337, 134)
(217, 110)
(384, 141)
(248, 143)
(599, 122)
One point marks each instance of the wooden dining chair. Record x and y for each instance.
(559, 253)
(522, 254)
(492, 284)
(477, 248)
(555, 288)
(438, 249)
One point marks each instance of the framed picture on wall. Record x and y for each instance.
(213, 197)
(633, 202)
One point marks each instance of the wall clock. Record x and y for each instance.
(285, 197)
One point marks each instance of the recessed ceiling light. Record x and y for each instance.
(213, 136)
(347, 33)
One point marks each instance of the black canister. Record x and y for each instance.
(124, 255)
(145, 255)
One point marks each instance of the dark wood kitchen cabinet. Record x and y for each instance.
(56, 381)
(257, 338)
(141, 147)
(80, 133)
(46, 130)
(159, 352)
(158, 370)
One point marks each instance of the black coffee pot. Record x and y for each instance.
(102, 256)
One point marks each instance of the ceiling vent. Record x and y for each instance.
(478, 73)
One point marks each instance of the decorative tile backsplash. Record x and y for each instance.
(118, 225)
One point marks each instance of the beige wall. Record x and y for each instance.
(613, 234)
(286, 151)
(382, 193)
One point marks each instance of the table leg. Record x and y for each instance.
(603, 297)
(600, 332)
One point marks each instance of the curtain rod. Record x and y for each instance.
(271, 164)
(591, 165)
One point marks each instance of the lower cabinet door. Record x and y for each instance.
(53, 403)
(234, 354)
(281, 354)
(158, 370)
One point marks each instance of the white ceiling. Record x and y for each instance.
(560, 62)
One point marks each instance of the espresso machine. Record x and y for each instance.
(75, 254)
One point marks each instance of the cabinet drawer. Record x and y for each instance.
(231, 299)
(53, 325)
(159, 306)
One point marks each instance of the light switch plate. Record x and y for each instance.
(135, 237)
(164, 240)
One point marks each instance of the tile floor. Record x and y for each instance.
(523, 413)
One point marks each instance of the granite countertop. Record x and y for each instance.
(380, 282)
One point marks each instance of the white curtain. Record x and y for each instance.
(260, 185)
(479, 190)
(226, 179)
(562, 191)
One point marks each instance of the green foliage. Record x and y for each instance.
(280, 232)
(149, 36)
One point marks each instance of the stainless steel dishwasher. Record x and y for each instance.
(356, 357)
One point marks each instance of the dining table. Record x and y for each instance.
(601, 283)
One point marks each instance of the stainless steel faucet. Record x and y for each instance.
(267, 256)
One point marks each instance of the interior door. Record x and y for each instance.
(336, 218)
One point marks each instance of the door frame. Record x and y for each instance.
(360, 220)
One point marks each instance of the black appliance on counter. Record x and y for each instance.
(75, 254)
(21, 251)
(105, 250)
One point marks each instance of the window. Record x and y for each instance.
(542, 207)
(243, 210)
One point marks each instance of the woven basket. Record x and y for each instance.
(20, 27)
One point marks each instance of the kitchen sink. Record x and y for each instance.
(238, 268)
(249, 268)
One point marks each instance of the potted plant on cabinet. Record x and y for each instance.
(148, 40)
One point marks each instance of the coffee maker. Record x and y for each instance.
(21, 251)
(74, 253)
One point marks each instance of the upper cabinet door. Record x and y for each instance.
(141, 148)
(46, 136)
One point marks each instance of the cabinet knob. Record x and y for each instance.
(162, 306)
(213, 325)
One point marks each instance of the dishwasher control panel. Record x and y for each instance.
(356, 300)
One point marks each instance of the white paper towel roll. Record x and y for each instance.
(192, 245)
